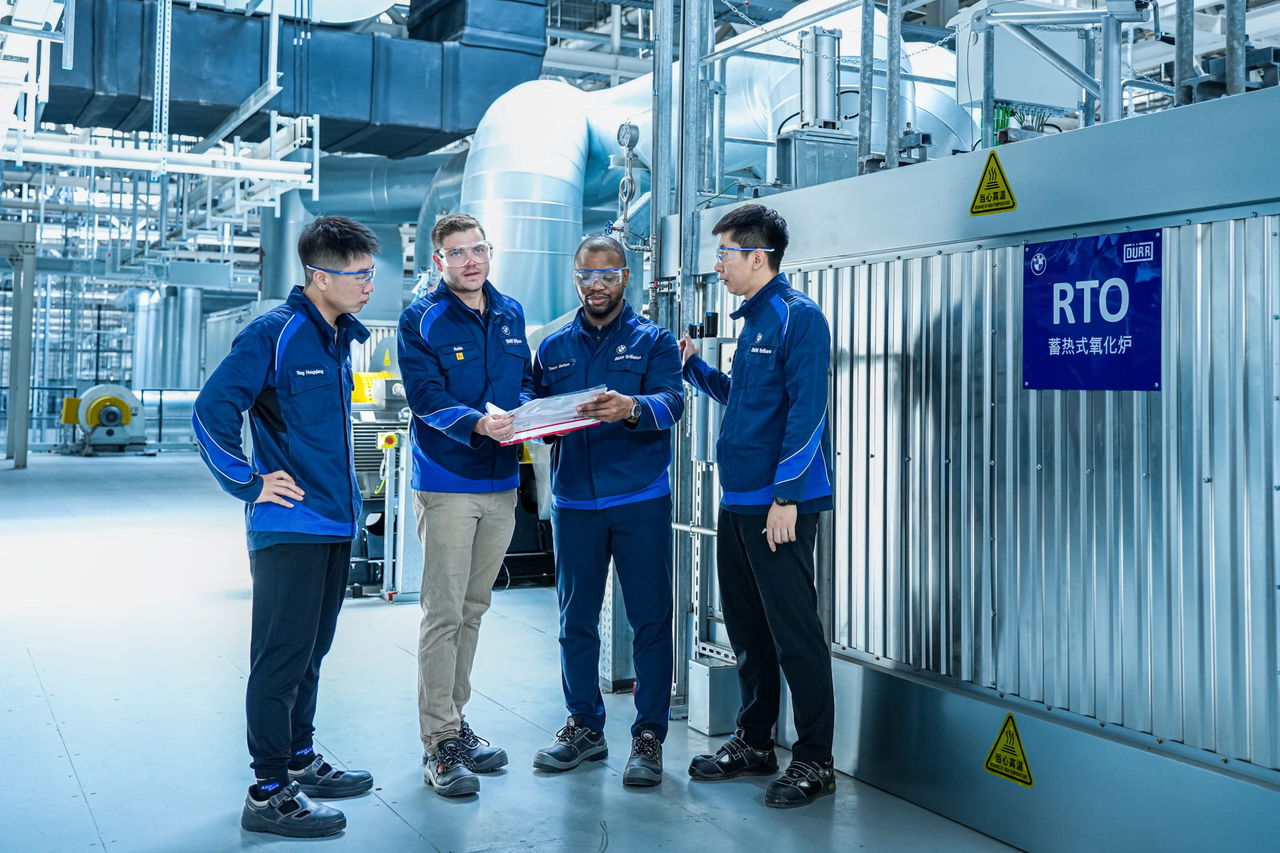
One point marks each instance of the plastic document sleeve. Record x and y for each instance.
(550, 415)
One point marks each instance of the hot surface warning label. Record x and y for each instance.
(993, 195)
(1007, 759)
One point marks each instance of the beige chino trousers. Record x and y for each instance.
(464, 538)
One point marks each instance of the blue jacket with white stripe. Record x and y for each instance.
(775, 439)
(454, 360)
(613, 464)
(292, 373)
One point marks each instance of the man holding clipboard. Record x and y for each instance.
(611, 498)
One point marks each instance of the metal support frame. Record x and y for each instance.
(160, 86)
(770, 31)
(1184, 57)
(1236, 39)
(1112, 96)
(1056, 59)
(866, 60)
(18, 244)
(893, 87)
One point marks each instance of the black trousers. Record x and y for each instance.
(297, 592)
(770, 609)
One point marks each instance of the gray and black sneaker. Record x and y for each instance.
(735, 758)
(291, 813)
(644, 767)
(803, 783)
(485, 757)
(448, 770)
(321, 779)
(574, 744)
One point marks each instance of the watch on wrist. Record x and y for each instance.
(785, 501)
(635, 411)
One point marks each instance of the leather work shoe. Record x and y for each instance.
(644, 767)
(321, 779)
(801, 784)
(448, 770)
(291, 813)
(574, 744)
(485, 757)
(735, 758)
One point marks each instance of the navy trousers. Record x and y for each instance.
(770, 610)
(297, 592)
(638, 537)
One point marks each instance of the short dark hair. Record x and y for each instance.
(332, 242)
(759, 227)
(452, 224)
(602, 243)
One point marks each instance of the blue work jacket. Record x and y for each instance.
(775, 439)
(291, 371)
(613, 464)
(453, 361)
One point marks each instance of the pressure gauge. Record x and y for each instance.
(628, 135)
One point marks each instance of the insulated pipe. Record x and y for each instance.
(186, 365)
(892, 104)
(373, 189)
(661, 203)
(1236, 40)
(1112, 95)
(279, 242)
(1184, 56)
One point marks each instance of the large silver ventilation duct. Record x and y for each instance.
(278, 238)
(373, 189)
(443, 196)
(540, 157)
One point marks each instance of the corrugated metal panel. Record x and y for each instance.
(1112, 554)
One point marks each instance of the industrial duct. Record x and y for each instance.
(374, 94)
(539, 161)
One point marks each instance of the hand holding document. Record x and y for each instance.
(550, 415)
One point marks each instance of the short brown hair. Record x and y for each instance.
(452, 224)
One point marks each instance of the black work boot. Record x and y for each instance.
(485, 757)
(735, 758)
(801, 784)
(574, 744)
(644, 767)
(291, 813)
(448, 770)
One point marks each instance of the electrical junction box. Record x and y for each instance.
(1022, 76)
(714, 696)
(811, 156)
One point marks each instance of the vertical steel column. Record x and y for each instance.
(1235, 47)
(22, 255)
(988, 88)
(1184, 57)
(892, 99)
(660, 202)
(1090, 70)
(1112, 94)
(866, 67)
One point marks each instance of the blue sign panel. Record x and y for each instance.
(1091, 313)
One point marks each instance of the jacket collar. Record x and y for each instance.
(494, 301)
(582, 324)
(349, 328)
(752, 306)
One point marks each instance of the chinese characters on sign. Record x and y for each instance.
(1091, 313)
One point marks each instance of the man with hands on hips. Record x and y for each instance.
(290, 370)
(461, 347)
(611, 498)
(774, 462)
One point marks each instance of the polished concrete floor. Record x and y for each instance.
(124, 613)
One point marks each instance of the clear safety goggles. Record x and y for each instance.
(460, 256)
(723, 251)
(611, 277)
(362, 276)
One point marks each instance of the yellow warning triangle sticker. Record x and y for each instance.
(386, 359)
(1007, 759)
(993, 195)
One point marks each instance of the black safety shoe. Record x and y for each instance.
(485, 757)
(291, 813)
(321, 779)
(735, 758)
(801, 784)
(644, 767)
(574, 745)
(448, 770)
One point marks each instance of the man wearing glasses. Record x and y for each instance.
(611, 497)
(461, 347)
(774, 461)
(290, 369)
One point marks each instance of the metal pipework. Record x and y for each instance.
(893, 86)
(1184, 53)
(1236, 39)
(819, 78)
(866, 63)
(660, 204)
(1112, 100)
(988, 90)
